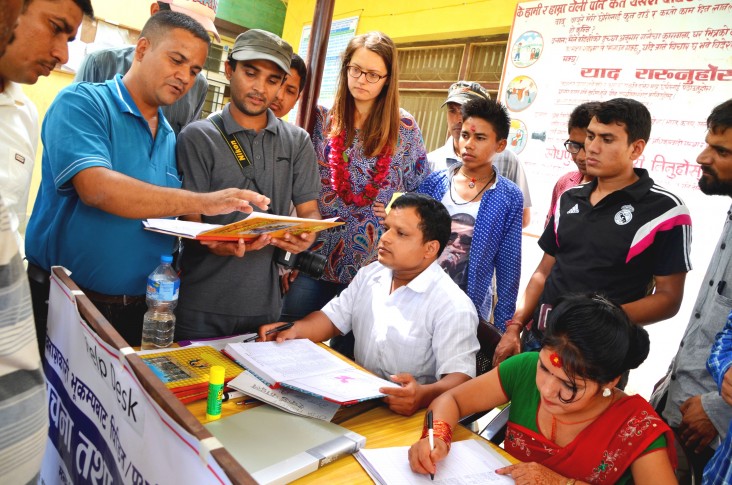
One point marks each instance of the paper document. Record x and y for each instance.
(469, 462)
(285, 399)
(304, 366)
(256, 224)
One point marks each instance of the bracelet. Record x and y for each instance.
(441, 429)
(514, 322)
(571, 481)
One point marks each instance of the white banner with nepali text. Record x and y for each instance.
(103, 427)
(671, 55)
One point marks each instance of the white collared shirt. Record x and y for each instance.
(18, 142)
(426, 328)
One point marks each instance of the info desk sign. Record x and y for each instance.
(103, 427)
(671, 55)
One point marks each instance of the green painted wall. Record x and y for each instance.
(254, 14)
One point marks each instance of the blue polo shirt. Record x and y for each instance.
(98, 125)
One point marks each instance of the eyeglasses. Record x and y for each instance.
(372, 77)
(465, 240)
(573, 147)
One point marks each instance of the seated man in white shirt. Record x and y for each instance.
(412, 324)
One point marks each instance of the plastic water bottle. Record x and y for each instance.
(162, 297)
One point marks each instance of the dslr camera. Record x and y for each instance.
(308, 262)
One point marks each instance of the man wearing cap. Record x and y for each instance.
(278, 161)
(506, 162)
(104, 64)
(109, 161)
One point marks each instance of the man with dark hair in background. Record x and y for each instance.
(617, 235)
(45, 27)
(119, 168)
(575, 145)
(291, 89)
(506, 162)
(693, 406)
(104, 64)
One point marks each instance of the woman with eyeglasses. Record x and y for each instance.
(486, 211)
(568, 423)
(367, 149)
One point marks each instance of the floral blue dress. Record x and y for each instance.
(353, 245)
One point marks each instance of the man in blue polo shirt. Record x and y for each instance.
(621, 234)
(109, 161)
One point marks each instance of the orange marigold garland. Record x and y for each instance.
(341, 176)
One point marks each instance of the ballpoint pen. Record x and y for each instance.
(430, 436)
(270, 332)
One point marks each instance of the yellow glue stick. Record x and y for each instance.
(215, 392)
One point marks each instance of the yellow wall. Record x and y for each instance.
(406, 21)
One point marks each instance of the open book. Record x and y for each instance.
(469, 461)
(304, 366)
(255, 225)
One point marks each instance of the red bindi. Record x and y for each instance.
(472, 128)
(555, 359)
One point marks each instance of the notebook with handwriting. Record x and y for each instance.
(469, 461)
(306, 367)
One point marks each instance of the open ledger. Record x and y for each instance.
(255, 225)
(304, 366)
(276, 447)
(469, 461)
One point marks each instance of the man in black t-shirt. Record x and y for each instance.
(620, 235)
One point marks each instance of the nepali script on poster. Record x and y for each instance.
(103, 427)
(672, 55)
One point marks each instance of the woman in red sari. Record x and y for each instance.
(568, 423)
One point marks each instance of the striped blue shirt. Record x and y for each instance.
(23, 404)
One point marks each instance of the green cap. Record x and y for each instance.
(255, 44)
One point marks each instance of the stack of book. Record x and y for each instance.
(185, 370)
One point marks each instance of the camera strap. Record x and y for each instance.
(236, 148)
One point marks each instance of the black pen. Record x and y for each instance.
(431, 435)
(281, 328)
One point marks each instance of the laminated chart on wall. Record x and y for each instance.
(341, 33)
(671, 56)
